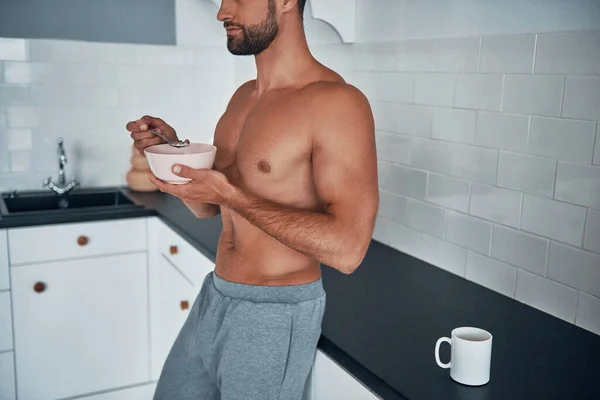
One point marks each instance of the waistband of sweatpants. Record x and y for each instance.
(269, 294)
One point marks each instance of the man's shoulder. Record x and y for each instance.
(328, 95)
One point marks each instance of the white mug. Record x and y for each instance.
(470, 355)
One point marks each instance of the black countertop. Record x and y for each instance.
(381, 323)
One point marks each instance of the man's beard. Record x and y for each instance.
(254, 38)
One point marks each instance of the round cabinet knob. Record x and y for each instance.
(39, 287)
(173, 250)
(83, 240)
(184, 304)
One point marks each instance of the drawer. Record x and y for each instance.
(144, 392)
(189, 261)
(67, 241)
(7, 376)
(6, 335)
(4, 281)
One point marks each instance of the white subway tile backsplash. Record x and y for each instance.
(417, 56)
(13, 49)
(526, 173)
(548, 296)
(495, 204)
(520, 249)
(582, 97)
(457, 55)
(474, 163)
(553, 219)
(448, 192)
(588, 313)
(492, 274)
(435, 89)
(382, 230)
(430, 155)
(408, 182)
(14, 95)
(392, 147)
(406, 240)
(19, 139)
(479, 92)
(53, 51)
(574, 267)
(591, 238)
(565, 139)
(108, 74)
(444, 255)
(392, 207)
(568, 53)
(502, 131)
(578, 184)
(398, 87)
(596, 160)
(20, 161)
(74, 95)
(472, 233)
(507, 54)
(384, 114)
(454, 125)
(426, 218)
(414, 120)
(25, 73)
(22, 117)
(533, 94)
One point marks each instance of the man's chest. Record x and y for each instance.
(262, 146)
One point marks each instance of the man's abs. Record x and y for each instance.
(248, 255)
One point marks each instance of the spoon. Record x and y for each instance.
(178, 144)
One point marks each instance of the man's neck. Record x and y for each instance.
(283, 62)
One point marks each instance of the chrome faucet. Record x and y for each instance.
(60, 187)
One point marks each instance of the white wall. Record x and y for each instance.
(388, 20)
(86, 92)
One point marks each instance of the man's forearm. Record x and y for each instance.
(203, 210)
(320, 236)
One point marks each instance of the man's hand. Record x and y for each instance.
(142, 138)
(206, 186)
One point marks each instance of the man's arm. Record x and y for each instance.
(201, 209)
(345, 176)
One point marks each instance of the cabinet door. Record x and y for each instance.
(6, 335)
(3, 260)
(332, 382)
(80, 326)
(175, 296)
(7, 376)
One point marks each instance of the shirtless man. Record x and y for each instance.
(295, 182)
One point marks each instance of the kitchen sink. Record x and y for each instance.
(43, 202)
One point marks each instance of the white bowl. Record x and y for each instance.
(162, 157)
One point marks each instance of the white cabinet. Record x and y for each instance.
(4, 284)
(7, 376)
(6, 336)
(332, 382)
(78, 240)
(80, 326)
(176, 296)
(177, 271)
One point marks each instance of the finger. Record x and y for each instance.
(136, 126)
(142, 144)
(175, 190)
(142, 135)
(186, 172)
(160, 125)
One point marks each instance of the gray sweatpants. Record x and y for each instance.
(243, 342)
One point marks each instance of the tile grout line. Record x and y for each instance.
(535, 43)
(479, 56)
(502, 93)
(562, 97)
(577, 307)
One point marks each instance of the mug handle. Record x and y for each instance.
(437, 352)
